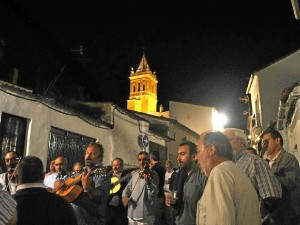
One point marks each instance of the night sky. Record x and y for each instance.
(203, 52)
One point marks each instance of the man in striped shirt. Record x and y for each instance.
(258, 171)
(8, 206)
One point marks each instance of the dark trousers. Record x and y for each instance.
(169, 215)
(115, 215)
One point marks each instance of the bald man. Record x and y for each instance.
(60, 165)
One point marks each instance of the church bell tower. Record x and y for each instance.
(143, 89)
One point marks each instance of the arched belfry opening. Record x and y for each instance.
(143, 88)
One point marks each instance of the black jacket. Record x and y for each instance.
(37, 206)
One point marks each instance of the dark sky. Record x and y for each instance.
(202, 51)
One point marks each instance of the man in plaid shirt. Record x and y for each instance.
(258, 171)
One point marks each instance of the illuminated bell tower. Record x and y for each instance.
(143, 89)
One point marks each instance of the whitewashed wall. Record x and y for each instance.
(181, 133)
(270, 81)
(196, 117)
(40, 119)
(121, 141)
(293, 130)
(124, 141)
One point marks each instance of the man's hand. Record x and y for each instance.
(58, 185)
(168, 199)
(125, 201)
(85, 180)
(52, 166)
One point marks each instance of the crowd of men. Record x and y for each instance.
(218, 181)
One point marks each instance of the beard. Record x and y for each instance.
(59, 172)
(89, 163)
(10, 169)
(187, 165)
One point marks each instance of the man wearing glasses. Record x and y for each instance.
(8, 180)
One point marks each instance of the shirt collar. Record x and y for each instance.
(30, 185)
(276, 156)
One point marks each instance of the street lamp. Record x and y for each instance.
(218, 120)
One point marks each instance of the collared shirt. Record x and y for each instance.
(8, 185)
(261, 177)
(259, 174)
(30, 185)
(271, 161)
(143, 196)
(167, 178)
(228, 198)
(50, 180)
(192, 192)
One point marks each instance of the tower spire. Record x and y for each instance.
(143, 88)
(143, 67)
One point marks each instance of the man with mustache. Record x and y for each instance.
(140, 194)
(115, 212)
(7, 179)
(90, 205)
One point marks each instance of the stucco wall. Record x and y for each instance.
(181, 134)
(121, 141)
(272, 80)
(196, 117)
(124, 140)
(41, 118)
(293, 132)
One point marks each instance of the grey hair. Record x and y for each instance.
(221, 143)
(239, 133)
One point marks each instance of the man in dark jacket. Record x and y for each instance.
(156, 166)
(115, 212)
(35, 205)
(285, 167)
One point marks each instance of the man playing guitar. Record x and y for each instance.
(115, 212)
(89, 206)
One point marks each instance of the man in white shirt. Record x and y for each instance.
(169, 171)
(168, 210)
(60, 165)
(8, 180)
(229, 197)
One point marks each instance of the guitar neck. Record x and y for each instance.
(124, 178)
(100, 171)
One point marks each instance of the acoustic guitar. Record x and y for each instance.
(70, 190)
(116, 183)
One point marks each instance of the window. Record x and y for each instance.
(70, 145)
(12, 135)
